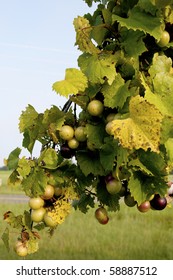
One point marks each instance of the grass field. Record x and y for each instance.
(129, 235)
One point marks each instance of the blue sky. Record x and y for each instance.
(36, 46)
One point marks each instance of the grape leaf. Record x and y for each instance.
(74, 82)
(116, 94)
(83, 35)
(33, 130)
(148, 6)
(140, 20)
(167, 129)
(153, 162)
(95, 134)
(99, 32)
(27, 118)
(84, 203)
(122, 156)
(13, 221)
(142, 128)
(160, 64)
(24, 166)
(142, 187)
(90, 163)
(48, 159)
(138, 189)
(35, 183)
(136, 165)
(169, 145)
(132, 42)
(13, 158)
(99, 67)
(158, 90)
(108, 153)
(53, 116)
(27, 220)
(14, 179)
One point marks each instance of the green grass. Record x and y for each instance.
(129, 235)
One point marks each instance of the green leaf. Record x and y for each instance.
(148, 6)
(99, 32)
(35, 183)
(95, 134)
(14, 179)
(27, 219)
(132, 42)
(116, 95)
(84, 203)
(74, 82)
(24, 166)
(99, 68)
(13, 221)
(122, 156)
(141, 129)
(139, 190)
(13, 158)
(32, 128)
(142, 187)
(159, 87)
(140, 20)
(83, 35)
(167, 129)
(169, 145)
(53, 115)
(5, 238)
(108, 153)
(27, 118)
(137, 165)
(48, 159)
(153, 162)
(89, 163)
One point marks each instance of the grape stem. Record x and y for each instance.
(67, 106)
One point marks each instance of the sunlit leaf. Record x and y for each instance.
(74, 82)
(99, 68)
(83, 38)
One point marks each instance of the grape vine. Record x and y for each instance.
(119, 145)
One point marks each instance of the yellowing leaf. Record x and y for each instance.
(142, 128)
(83, 38)
(74, 82)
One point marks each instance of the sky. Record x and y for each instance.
(37, 40)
